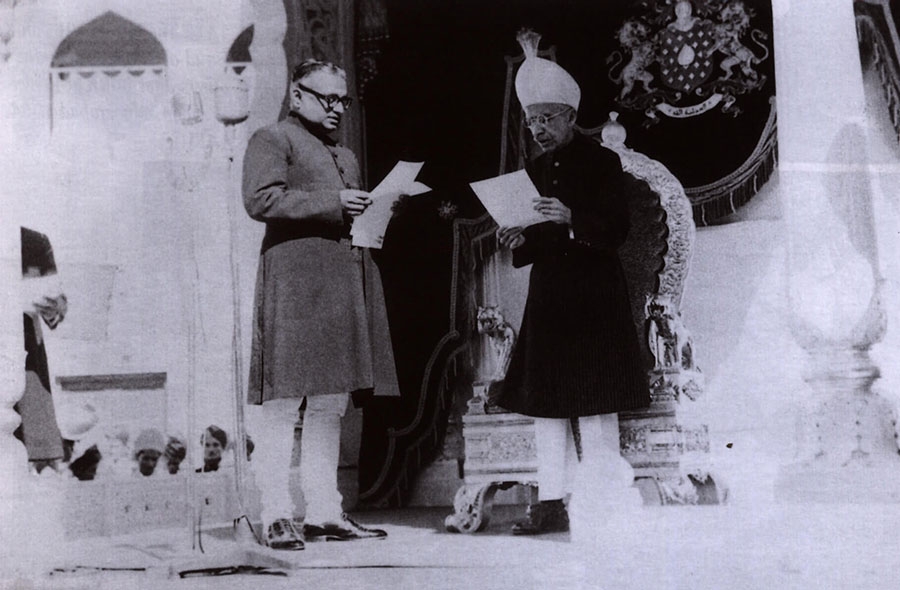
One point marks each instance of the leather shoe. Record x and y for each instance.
(549, 516)
(343, 530)
(282, 535)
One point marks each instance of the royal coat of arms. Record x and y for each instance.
(683, 58)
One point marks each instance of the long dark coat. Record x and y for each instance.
(320, 325)
(577, 352)
(38, 429)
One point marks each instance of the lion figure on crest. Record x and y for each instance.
(635, 37)
(734, 20)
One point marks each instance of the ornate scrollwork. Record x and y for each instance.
(679, 216)
(472, 507)
(323, 28)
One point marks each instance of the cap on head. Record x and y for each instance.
(149, 439)
(540, 80)
(175, 449)
(76, 420)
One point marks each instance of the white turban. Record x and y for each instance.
(75, 421)
(541, 80)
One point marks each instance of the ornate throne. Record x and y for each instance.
(667, 455)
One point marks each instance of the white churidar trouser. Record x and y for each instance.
(556, 455)
(320, 446)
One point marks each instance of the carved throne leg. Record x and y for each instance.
(472, 505)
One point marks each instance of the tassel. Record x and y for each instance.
(529, 40)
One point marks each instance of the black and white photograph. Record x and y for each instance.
(488, 294)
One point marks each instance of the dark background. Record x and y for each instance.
(439, 92)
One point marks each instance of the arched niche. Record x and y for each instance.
(108, 74)
(239, 58)
(109, 40)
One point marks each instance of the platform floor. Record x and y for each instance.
(714, 547)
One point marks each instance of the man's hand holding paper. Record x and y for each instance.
(370, 225)
(510, 237)
(553, 210)
(510, 199)
(354, 202)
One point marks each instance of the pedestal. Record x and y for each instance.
(847, 447)
(846, 450)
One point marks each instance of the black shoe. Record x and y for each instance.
(343, 530)
(284, 536)
(549, 516)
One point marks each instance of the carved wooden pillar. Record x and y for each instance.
(846, 448)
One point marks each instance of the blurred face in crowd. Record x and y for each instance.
(147, 460)
(212, 450)
(319, 99)
(172, 464)
(552, 125)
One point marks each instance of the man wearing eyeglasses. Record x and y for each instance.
(320, 327)
(577, 357)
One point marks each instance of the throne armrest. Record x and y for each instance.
(656, 256)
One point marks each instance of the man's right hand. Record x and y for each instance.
(354, 202)
(510, 237)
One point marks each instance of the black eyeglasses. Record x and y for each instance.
(541, 120)
(328, 101)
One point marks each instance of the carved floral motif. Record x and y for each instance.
(323, 29)
(501, 447)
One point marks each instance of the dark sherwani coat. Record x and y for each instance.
(577, 352)
(320, 325)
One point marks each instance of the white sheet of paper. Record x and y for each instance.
(369, 228)
(399, 178)
(509, 198)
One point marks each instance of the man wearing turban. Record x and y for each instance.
(577, 356)
(175, 453)
(148, 448)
